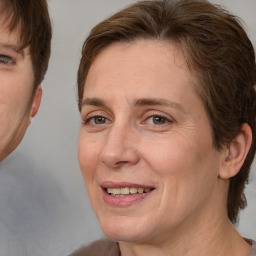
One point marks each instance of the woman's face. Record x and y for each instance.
(145, 146)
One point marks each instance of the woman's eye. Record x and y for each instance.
(158, 120)
(5, 59)
(97, 120)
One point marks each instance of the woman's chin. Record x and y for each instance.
(122, 237)
(123, 231)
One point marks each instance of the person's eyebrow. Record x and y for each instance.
(93, 102)
(138, 102)
(12, 47)
(158, 102)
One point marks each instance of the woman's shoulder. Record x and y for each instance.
(99, 248)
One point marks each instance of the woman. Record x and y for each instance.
(168, 129)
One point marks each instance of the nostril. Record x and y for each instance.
(121, 163)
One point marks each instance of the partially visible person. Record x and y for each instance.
(25, 40)
(168, 135)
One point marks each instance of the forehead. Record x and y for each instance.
(137, 63)
(160, 47)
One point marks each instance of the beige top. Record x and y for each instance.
(109, 248)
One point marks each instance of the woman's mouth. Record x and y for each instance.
(127, 191)
(120, 195)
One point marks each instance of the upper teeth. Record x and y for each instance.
(127, 191)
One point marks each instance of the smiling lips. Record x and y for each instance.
(127, 191)
(120, 195)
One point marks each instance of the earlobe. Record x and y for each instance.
(36, 101)
(236, 153)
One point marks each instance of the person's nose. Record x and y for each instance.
(120, 147)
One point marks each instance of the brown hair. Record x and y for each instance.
(218, 53)
(32, 17)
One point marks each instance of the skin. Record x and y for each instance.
(143, 123)
(18, 104)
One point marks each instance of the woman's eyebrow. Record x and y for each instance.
(12, 47)
(93, 102)
(138, 102)
(158, 102)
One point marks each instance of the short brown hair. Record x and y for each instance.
(35, 30)
(218, 53)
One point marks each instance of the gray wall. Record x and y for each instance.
(44, 208)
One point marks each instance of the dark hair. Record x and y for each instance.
(32, 17)
(219, 54)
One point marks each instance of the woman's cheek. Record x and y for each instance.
(86, 155)
(167, 156)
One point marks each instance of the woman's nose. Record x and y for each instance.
(119, 148)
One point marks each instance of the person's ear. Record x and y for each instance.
(36, 101)
(236, 153)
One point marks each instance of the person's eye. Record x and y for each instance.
(157, 120)
(5, 59)
(96, 120)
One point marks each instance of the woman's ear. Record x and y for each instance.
(36, 101)
(236, 153)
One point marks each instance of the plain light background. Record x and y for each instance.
(44, 208)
